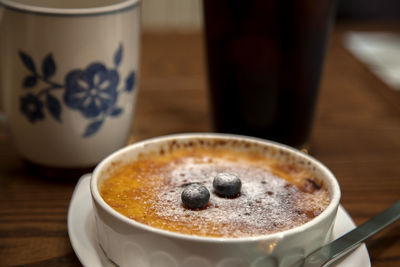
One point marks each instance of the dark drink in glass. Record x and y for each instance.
(264, 62)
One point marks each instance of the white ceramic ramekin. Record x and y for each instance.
(129, 243)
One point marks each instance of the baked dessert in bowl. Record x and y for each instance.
(212, 200)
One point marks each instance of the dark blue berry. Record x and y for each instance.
(227, 185)
(195, 196)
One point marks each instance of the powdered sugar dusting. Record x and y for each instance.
(266, 203)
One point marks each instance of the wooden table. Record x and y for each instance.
(356, 134)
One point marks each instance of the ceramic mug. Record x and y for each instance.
(69, 77)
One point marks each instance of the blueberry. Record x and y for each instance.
(195, 196)
(227, 185)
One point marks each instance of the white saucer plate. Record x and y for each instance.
(82, 231)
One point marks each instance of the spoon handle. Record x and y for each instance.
(333, 251)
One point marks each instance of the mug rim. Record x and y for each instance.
(100, 10)
(331, 208)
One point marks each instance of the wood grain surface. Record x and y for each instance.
(356, 134)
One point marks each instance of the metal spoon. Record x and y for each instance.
(335, 250)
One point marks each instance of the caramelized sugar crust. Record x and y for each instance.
(275, 196)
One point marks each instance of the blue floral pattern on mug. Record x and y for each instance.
(92, 91)
(32, 107)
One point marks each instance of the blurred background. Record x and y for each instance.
(182, 15)
(372, 32)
